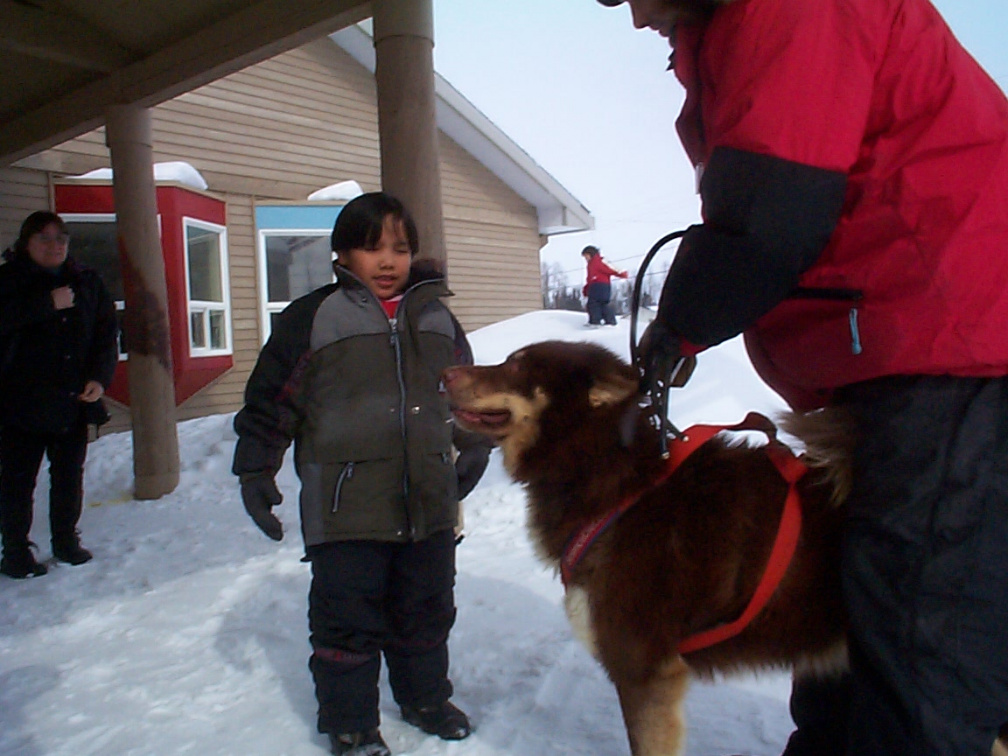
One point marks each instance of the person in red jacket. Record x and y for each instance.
(598, 288)
(853, 166)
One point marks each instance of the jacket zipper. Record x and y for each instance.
(397, 348)
(841, 295)
(345, 474)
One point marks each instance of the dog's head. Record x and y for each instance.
(552, 390)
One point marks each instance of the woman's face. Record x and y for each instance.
(48, 247)
(384, 269)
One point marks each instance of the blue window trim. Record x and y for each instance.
(301, 217)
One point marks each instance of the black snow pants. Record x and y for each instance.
(21, 455)
(370, 598)
(925, 576)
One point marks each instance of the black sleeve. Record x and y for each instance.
(766, 221)
(268, 422)
(473, 448)
(22, 304)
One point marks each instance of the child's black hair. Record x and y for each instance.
(360, 223)
(34, 224)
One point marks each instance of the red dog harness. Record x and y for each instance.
(790, 468)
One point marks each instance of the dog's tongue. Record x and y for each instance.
(483, 418)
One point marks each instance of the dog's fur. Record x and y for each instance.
(688, 556)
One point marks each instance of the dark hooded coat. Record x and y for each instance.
(359, 395)
(48, 355)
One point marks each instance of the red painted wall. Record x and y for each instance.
(190, 374)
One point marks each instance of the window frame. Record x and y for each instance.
(205, 306)
(120, 304)
(267, 308)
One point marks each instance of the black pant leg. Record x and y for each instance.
(924, 567)
(66, 483)
(820, 710)
(349, 627)
(20, 457)
(422, 612)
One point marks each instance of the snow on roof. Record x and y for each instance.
(177, 171)
(343, 191)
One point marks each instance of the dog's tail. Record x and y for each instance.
(828, 436)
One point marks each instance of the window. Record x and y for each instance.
(94, 242)
(208, 295)
(295, 265)
(294, 254)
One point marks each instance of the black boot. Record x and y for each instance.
(70, 550)
(446, 720)
(368, 743)
(20, 563)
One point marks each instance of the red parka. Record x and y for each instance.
(599, 271)
(914, 276)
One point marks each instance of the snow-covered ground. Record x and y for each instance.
(187, 633)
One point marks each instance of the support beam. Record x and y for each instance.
(146, 327)
(407, 125)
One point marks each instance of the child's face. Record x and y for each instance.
(384, 269)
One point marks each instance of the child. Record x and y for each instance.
(351, 374)
(598, 289)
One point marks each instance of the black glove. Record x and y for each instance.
(259, 495)
(662, 366)
(658, 355)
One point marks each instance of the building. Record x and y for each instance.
(264, 139)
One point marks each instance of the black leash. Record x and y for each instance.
(657, 404)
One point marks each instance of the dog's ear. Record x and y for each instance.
(613, 388)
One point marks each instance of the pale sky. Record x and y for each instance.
(588, 97)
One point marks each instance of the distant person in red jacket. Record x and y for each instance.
(853, 166)
(598, 288)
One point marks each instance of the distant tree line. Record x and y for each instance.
(559, 294)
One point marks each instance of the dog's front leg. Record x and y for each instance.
(652, 710)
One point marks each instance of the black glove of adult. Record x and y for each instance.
(659, 356)
(259, 495)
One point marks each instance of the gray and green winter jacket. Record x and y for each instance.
(358, 394)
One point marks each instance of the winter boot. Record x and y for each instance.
(20, 563)
(368, 743)
(446, 720)
(69, 550)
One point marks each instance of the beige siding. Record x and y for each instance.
(22, 192)
(282, 129)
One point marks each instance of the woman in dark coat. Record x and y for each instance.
(58, 352)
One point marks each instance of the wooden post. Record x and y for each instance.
(146, 327)
(407, 125)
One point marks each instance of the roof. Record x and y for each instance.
(558, 210)
(65, 62)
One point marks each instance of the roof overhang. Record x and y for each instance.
(558, 210)
(64, 63)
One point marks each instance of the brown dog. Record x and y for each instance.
(690, 548)
(688, 553)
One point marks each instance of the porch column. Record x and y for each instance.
(407, 127)
(147, 332)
